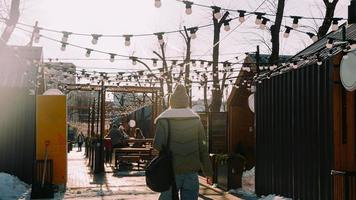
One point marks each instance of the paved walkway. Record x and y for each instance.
(126, 185)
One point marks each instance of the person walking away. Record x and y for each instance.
(80, 140)
(188, 145)
(138, 135)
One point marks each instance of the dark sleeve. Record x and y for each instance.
(160, 135)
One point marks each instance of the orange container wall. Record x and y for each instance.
(51, 127)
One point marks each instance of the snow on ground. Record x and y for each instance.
(273, 197)
(13, 188)
(248, 181)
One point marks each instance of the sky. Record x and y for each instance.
(141, 16)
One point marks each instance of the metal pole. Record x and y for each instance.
(258, 60)
(102, 128)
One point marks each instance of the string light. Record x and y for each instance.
(241, 15)
(64, 45)
(127, 40)
(188, 7)
(216, 12)
(259, 17)
(158, 3)
(287, 32)
(134, 60)
(95, 38)
(65, 36)
(313, 36)
(112, 57)
(193, 32)
(295, 24)
(263, 23)
(87, 54)
(330, 43)
(154, 62)
(227, 25)
(335, 24)
(160, 38)
(202, 63)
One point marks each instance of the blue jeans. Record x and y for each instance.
(187, 185)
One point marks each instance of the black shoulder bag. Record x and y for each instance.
(159, 172)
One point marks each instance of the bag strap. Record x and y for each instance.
(175, 195)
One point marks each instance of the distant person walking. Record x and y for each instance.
(188, 145)
(80, 140)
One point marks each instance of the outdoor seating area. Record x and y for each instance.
(139, 155)
(178, 99)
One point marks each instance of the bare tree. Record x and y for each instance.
(216, 89)
(329, 15)
(275, 32)
(10, 23)
(167, 73)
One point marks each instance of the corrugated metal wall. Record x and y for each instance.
(17, 132)
(294, 134)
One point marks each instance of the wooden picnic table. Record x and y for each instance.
(132, 140)
(132, 154)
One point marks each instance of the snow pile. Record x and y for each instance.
(273, 197)
(241, 193)
(13, 188)
(248, 181)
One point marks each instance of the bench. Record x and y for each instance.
(137, 155)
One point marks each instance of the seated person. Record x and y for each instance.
(118, 137)
(138, 135)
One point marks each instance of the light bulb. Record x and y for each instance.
(155, 63)
(319, 63)
(134, 62)
(334, 27)
(242, 19)
(87, 54)
(188, 11)
(63, 47)
(193, 35)
(94, 41)
(158, 3)
(217, 15)
(329, 45)
(127, 40)
(286, 35)
(227, 27)
(258, 21)
(295, 26)
(112, 57)
(315, 38)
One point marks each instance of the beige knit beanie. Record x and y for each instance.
(179, 98)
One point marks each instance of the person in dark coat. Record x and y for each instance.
(80, 140)
(118, 137)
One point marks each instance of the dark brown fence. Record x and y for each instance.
(17, 132)
(216, 124)
(294, 134)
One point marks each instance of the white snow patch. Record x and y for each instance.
(242, 192)
(273, 197)
(13, 188)
(248, 181)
